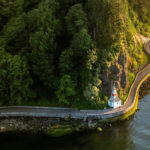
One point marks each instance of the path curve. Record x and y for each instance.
(54, 112)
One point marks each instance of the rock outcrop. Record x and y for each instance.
(118, 71)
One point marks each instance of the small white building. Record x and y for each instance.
(114, 101)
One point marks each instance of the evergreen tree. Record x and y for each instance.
(15, 80)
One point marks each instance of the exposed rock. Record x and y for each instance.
(123, 79)
(106, 84)
(122, 60)
(145, 88)
(117, 73)
(114, 70)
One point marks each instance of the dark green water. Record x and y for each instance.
(128, 135)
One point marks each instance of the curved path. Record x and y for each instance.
(82, 114)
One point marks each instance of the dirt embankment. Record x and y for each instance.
(140, 39)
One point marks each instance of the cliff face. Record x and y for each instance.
(118, 73)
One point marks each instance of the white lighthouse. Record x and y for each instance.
(114, 101)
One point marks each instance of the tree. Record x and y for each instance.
(42, 43)
(76, 19)
(66, 90)
(65, 62)
(15, 80)
(79, 60)
(84, 56)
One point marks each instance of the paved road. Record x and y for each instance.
(79, 114)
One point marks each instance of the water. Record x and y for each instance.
(128, 135)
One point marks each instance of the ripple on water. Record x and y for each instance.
(141, 125)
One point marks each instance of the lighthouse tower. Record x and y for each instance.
(114, 101)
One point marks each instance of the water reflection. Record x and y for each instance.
(128, 135)
(111, 139)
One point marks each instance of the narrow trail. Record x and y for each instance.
(54, 112)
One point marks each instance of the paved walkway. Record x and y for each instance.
(80, 114)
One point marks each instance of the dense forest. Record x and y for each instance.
(65, 52)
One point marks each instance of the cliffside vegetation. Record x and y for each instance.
(66, 52)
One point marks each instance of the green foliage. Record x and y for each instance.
(65, 64)
(131, 77)
(42, 56)
(124, 97)
(14, 78)
(76, 19)
(55, 52)
(57, 132)
(66, 90)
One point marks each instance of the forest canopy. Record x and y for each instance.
(54, 52)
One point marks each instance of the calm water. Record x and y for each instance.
(129, 135)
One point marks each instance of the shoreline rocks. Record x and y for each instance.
(145, 88)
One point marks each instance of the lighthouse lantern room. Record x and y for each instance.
(114, 101)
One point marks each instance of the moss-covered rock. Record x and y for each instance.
(57, 132)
